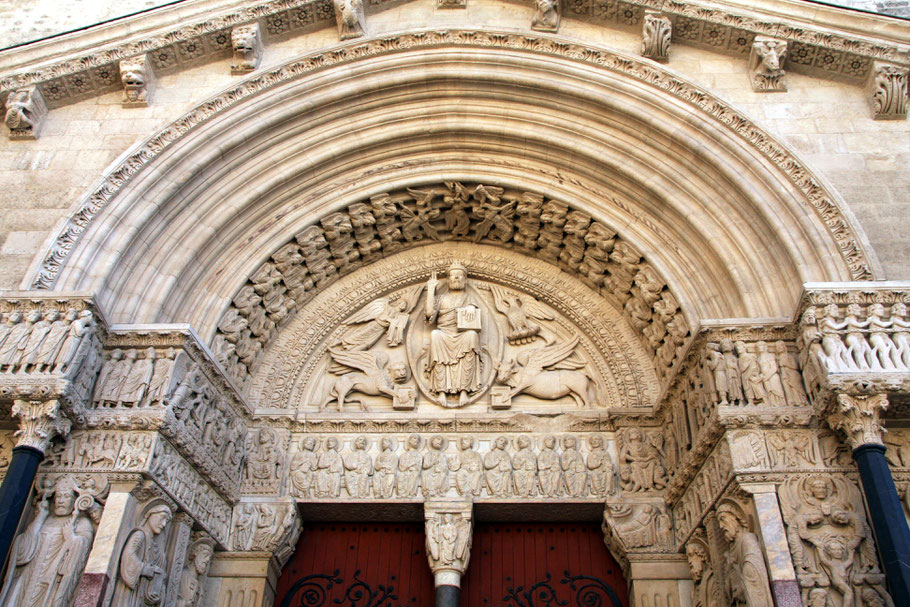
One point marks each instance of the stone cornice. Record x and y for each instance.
(825, 42)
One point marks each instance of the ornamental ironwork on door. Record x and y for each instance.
(511, 565)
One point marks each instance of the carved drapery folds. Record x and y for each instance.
(271, 527)
(138, 79)
(887, 90)
(26, 113)
(246, 42)
(766, 65)
(746, 576)
(47, 558)
(547, 229)
(388, 467)
(638, 528)
(166, 380)
(656, 33)
(449, 527)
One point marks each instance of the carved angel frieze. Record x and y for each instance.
(456, 342)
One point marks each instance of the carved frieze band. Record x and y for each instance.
(825, 52)
(855, 341)
(800, 176)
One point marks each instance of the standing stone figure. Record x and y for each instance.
(453, 366)
(574, 471)
(358, 467)
(468, 467)
(525, 463)
(734, 381)
(600, 467)
(747, 577)
(770, 376)
(498, 465)
(435, 468)
(750, 372)
(330, 468)
(409, 465)
(197, 567)
(549, 469)
(143, 566)
(48, 557)
(386, 468)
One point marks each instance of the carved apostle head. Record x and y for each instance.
(568, 442)
(14, 317)
(387, 443)
(361, 443)
(414, 441)
(898, 310)
(731, 520)
(698, 556)
(596, 441)
(500, 443)
(52, 315)
(331, 443)
(437, 442)
(549, 442)
(465, 443)
(202, 556)
(308, 444)
(34, 316)
(157, 518)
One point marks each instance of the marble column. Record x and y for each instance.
(859, 418)
(785, 588)
(39, 422)
(449, 528)
(116, 523)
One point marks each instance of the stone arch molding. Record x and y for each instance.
(594, 359)
(730, 219)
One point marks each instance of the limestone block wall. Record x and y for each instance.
(827, 123)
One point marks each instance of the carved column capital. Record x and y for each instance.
(39, 422)
(449, 529)
(859, 418)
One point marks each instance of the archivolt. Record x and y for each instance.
(726, 215)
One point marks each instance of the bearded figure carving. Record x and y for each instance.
(47, 558)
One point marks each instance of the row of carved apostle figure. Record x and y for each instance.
(321, 471)
(130, 379)
(870, 339)
(42, 341)
(736, 374)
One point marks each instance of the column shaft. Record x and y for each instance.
(447, 596)
(17, 484)
(891, 531)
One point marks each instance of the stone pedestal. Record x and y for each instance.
(242, 579)
(663, 581)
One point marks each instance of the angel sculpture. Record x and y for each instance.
(387, 315)
(493, 216)
(527, 374)
(448, 540)
(374, 377)
(518, 313)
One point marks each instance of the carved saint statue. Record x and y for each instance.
(358, 468)
(453, 366)
(143, 566)
(48, 557)
(600, 467)
(525, 463)
(409, 465)
(747, 576)
(386, 468)
(549, 468)
(468, 467)
(640, 464)
(498, 465)
(435, 468)
(303, 468)
(197, 567)
(448, 540)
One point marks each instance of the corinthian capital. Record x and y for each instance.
(39, 422)
(859, 417)
(449, 529)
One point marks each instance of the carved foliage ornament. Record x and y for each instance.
(860, 418)
(39, 422)
(766, 65)
(655, 38)
(887, 89)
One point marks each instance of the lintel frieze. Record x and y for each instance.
(821, 50)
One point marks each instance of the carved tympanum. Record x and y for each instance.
(454, 344)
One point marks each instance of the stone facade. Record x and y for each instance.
(285, 256)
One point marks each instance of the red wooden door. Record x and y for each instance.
(542, 565)
(360, 565)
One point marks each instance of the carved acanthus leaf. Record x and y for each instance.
(860, 418)
(39, 422)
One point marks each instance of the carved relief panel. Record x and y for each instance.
(415, 466)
